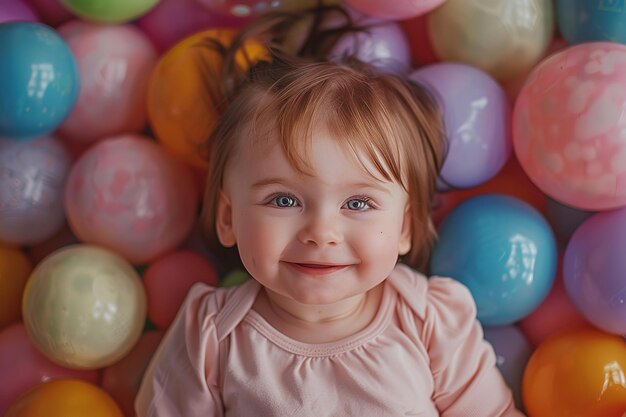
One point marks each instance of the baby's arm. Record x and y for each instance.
(467, 381)
(182, 377)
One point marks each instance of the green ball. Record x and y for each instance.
(234, 278)
(109, 11)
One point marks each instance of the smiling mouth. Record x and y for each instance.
(316, 269)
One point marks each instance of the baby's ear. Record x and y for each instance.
(405, 242)
(224, 220)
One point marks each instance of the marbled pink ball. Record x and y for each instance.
(569, 132)
(126, 193)
(114, 64)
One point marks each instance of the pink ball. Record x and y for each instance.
(23, 366)
(114, 63)
(395, 10)
(126, 193)
(168, 280)
(568, 130)
(17, 10)
(172, 20)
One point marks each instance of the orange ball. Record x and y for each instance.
(577, 373)
(14, 271)
(65, 398)
(181, 112)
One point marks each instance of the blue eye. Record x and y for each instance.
(284, 201)
(358, 204)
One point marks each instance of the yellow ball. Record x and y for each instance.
(502, 37)
(84, 307)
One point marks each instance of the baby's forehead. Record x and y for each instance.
(298, 151)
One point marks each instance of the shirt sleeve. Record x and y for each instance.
(182, 378)
(466, 380)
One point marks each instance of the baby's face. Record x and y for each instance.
(315, 239)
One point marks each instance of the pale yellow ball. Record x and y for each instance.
(84, 307)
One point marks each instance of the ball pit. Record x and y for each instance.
(115, 163)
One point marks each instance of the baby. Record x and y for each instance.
(321, 176)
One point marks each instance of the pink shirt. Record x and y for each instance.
(422, 355)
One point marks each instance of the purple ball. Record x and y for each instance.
(32, 180)
(383, 45)
(477, 118)
(594, 270)
(512, 354)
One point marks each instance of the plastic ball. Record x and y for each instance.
(14, 271)
(126, 193)
(383, 45)
(65, 398)
(395, 10)
(254, 8)
(568, 127)
(122, 379)
(84, 307)
(181, 110)
(32, 180)
(51, 12)
(587, 21)
(512, 354)
(477, 119)
(234, 279)
(114, 63)
(167, 281)
(503, 250)
(17, 10)
(38, 80)
(24, 367)
(594, 268)
(554, 315)
(578, 373)
(172, 20)
(109, 11)
(502, 37)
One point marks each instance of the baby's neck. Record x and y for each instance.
(320, 325)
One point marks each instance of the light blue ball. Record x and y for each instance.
(503, 250)
(582, 21)
(38, 80)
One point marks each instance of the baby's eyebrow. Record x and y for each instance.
(377, 186)
(269, 181)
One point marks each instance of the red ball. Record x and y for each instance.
(167, 281)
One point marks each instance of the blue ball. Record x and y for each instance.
(38, 80)
(503, 250)
(582, 21)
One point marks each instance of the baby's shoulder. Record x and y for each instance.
(431, 297)
(222, 308)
